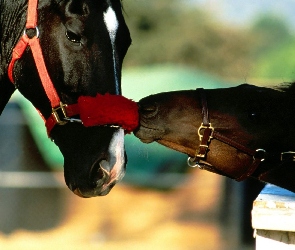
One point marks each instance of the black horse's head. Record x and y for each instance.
(83, 43)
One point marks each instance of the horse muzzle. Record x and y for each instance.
(101, 180)
(103, 174)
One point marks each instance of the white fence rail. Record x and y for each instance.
(273, 219)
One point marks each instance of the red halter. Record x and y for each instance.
(93, 111)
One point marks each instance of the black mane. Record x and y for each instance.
(288, 87)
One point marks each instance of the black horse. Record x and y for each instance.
(83, 44)
(239, 132)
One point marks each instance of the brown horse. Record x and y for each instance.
(239, 132)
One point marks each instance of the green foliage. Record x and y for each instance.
(277, 64)
(274, 49)
(270, 32)
(162, 32)
(166, 32)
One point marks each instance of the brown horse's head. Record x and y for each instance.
(255, 117)
(83, 43)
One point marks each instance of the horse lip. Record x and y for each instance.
(78, 193)
(148, 134)
(101, 191)
(143, 125)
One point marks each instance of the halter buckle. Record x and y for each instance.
(203, 127)
(290, 155)
(60, 114)
(202, 155)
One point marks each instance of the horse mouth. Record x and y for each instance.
(148, 134)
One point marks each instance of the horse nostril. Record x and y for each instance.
(99, 174)
(148, 110)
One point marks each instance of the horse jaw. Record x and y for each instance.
(178, 147)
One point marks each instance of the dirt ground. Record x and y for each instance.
(132, 218)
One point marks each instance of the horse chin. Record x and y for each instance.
(99, 191)
(177, 147)
(147, 135)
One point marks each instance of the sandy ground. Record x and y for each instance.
(134, 218)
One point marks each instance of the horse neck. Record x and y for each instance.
(12, 22)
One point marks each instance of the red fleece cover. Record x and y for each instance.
(109, 110)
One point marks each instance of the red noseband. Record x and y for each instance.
(92, 111)
(97, 111)
(108, 109)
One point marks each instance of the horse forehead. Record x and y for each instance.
(111, 21)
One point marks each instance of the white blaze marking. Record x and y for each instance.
(112, 24)
(116, 149)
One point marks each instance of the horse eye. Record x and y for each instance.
(73, 37)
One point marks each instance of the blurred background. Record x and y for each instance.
(161, 203)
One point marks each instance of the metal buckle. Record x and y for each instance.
(56, 115)
(205, 127)
(289, 155)
(198, 155)
(192, 162)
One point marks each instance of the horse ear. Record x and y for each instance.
(77, 8)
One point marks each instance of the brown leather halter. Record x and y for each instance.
(207, 133)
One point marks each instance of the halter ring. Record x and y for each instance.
(37, 32)
(192, 163)
(260, 154)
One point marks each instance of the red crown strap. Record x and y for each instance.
(32, 14)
